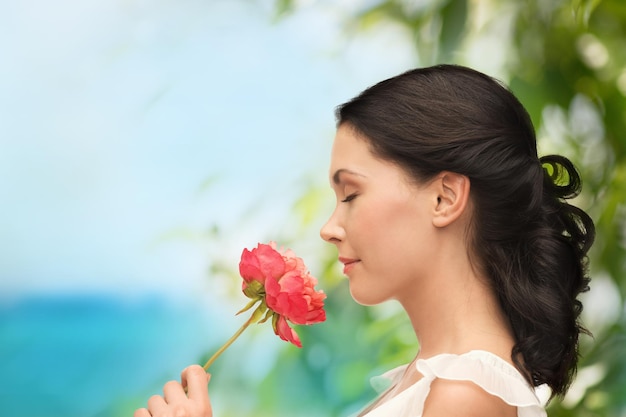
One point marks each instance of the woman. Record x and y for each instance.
(444, 206)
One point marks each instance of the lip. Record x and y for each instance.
(348, 263)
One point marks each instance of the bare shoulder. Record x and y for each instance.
(449, 398)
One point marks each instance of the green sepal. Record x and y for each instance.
(268, 314)
(248, 306)
(258, 313)
(275, 323)
(254, 290)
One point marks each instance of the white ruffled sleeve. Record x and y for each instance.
(489, 372)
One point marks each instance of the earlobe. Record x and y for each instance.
(452, 197)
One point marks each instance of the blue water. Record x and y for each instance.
(92, 356)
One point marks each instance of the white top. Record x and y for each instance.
(485, 369)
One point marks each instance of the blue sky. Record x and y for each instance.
(115, 114)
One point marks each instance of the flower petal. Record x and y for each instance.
(286, 333)
(261, 262)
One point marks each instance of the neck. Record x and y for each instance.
(455, 311)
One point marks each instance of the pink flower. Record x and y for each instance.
(280, 286)
(284, 285)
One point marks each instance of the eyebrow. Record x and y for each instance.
(337, 175)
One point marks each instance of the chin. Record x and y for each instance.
(365, 299)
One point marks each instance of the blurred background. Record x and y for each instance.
(144, 144)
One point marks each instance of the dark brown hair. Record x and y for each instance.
(526, 239)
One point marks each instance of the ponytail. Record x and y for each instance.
(540, 276)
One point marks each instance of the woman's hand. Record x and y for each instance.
(176, 403)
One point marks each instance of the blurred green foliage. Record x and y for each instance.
(565, 60)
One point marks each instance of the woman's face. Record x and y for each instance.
(381, 225)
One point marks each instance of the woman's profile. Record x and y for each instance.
(443, 205)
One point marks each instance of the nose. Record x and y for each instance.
(331, 231)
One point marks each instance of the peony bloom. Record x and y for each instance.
(288, 287)
(282, 289)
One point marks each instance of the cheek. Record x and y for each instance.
(400, 230)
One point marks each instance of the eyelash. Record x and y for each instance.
(349, 198)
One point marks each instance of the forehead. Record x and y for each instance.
(352, 155)
(349, 147)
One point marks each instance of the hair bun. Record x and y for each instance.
(564, 180)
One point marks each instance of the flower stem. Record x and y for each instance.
(254, 317)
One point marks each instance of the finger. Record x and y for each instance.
(142, 412)
(156, 403)
(196, 380)
(173, 392)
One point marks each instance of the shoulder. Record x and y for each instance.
(464, 399)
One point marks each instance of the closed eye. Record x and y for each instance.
(349, 198)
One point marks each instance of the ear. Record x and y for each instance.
(452, 197)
